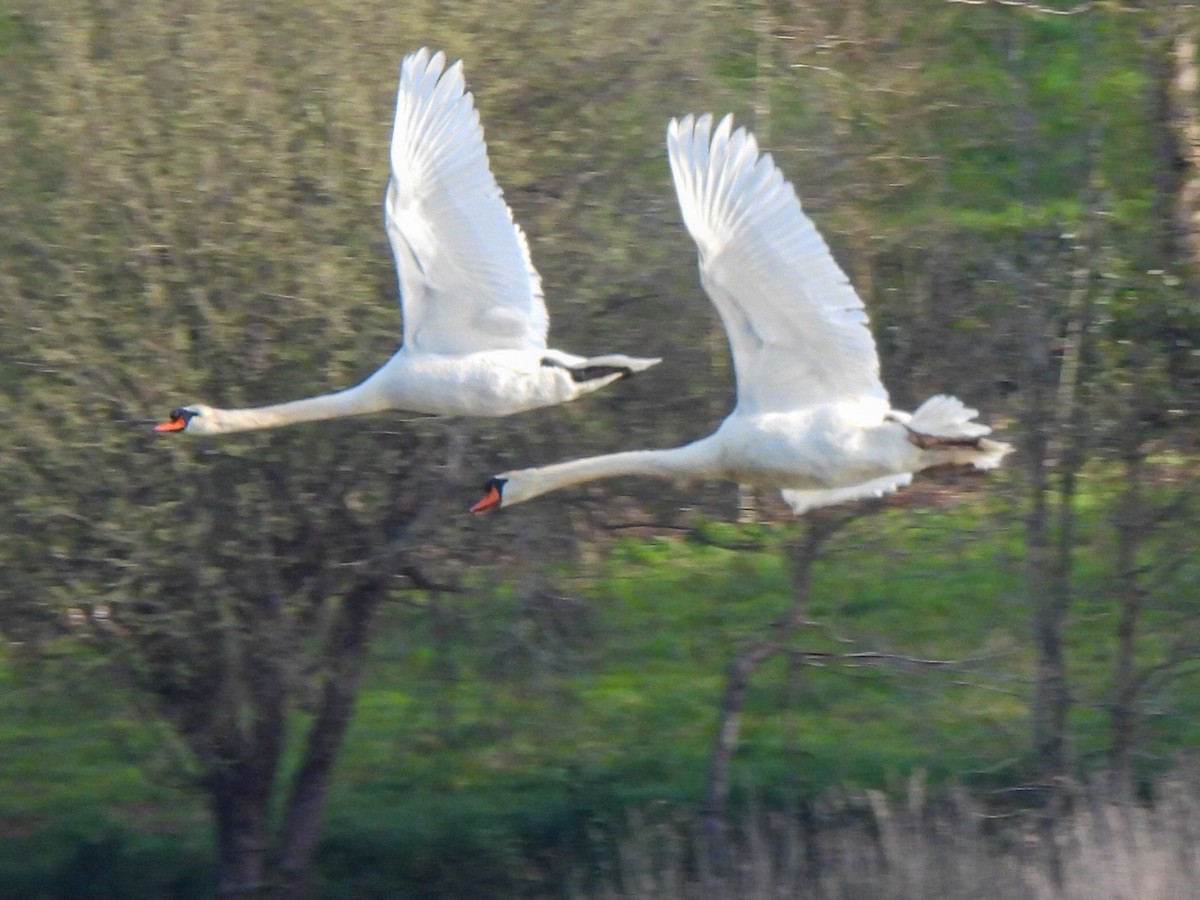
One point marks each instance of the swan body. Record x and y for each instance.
(474, 318)
(812, 417)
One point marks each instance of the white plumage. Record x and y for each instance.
(474, 318)
(466, 278)
(812, 417)
(797, 329)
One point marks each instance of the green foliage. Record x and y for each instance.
(513, 765)
(190, 211)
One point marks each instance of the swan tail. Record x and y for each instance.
(945, 427)
(989, 454)
(627, 364)
(980, 453)
(802, 501)
(597, 371)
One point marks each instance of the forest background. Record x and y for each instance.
(291, 661)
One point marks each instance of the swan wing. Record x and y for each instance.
(466, 280)
(803, 501)
(796, 327)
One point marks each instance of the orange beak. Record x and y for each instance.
(178, 423)
(490, 501)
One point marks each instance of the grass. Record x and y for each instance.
(492, 751)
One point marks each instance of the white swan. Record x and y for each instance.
(473, 315)
(812, 416)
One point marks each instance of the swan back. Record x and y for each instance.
(466, 280)
(796, 327)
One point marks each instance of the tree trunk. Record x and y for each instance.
(1173, 85)
(248, 742)
(240, 803)
(1047, 584)
(1173, 88)
(1059, 416)
(1183, 96)
(346, 652)
(716, 796)
(1048, 598)
(1124, 708)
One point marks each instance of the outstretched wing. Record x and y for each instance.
(797, 329)
(466, 280)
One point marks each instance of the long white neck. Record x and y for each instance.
(359, 400)
(680, 462)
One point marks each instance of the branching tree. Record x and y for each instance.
(196, 216)
(234, 584)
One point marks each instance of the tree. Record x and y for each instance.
(185, 241)
(198, 205)
(1157, 373)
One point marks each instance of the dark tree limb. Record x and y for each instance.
(346, 652)
(803, 553)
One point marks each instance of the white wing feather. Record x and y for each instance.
(796, 327)
(803, 501)
(466, 279)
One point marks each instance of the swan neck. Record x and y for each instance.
(530, 483)
(358, 400)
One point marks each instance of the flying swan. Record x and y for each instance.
(473, 314)
(812, 416)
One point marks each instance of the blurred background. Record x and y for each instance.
(290, 662)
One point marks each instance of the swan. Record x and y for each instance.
(812, 417)
(473, 314)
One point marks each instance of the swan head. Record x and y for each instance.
(194, 419)
(493, 495)
(510, 488)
